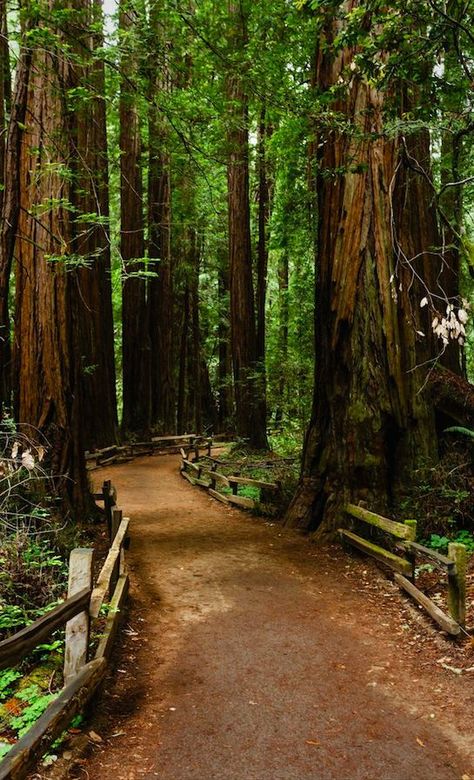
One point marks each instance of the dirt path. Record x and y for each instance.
(248, 654)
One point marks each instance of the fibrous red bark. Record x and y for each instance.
(372, 421)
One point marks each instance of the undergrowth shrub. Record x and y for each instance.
(32, 551)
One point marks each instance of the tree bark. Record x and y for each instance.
(372, 422)
(181, 412)
(48, 386)
(225, 395)
(91, 197)
(135, 322)
(283, 330)
(9, 194)
(159, 247)
(264, 189)
(249, 397)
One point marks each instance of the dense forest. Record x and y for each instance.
(251, 218)
(237, 252)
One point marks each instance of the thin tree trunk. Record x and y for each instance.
(135, 325)
(9, 150)
(225, 394)
(372, 424)
(249, 397)
(264, 186)
(159, 247)
(283, 330)
(183, 363)
(196, 329)
(452, 154)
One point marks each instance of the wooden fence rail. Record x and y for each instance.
(81, 675)
(16, 647)
(206, 476)
(124, 453)
(454, 564)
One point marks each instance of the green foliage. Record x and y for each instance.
(7, 678)
(37, 703)
(460, 430)
(440, 543)
(31, 575)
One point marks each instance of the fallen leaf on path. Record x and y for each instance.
(95, 737)
(313, 742)
(420, 742)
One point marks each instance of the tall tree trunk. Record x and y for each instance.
(283, 328)
(135, 324)
(249, 397)
(196, 329)
(264, 133)
(96, 335)
(183, 364)
(8, 190)
(452, 154)
(159, 216)
(207, 402)
(372, 423)
(48, 387)
(9, 142)
(225, 395)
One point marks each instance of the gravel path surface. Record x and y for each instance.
(249, 654)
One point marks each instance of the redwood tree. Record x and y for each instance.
(9, 189)
(135, 322)
(159, 222)
(250, 414)
(91, 199)
(48, 371)
(372, 422)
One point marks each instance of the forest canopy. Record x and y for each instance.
(241, 218)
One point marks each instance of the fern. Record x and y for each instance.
(461, 430)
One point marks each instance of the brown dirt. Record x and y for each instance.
(249, 654)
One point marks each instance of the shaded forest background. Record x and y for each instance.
(200, 197)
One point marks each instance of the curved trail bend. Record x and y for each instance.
(248, 654)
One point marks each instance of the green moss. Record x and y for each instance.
(358, 411)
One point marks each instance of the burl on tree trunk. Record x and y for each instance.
(372, 421)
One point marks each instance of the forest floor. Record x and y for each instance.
(249, 654)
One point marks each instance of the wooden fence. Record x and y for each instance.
(403, 562)
(158, 444)
(205, 475)
(82, 676)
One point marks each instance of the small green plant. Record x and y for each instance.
(466, 538)
(4, 748)
(459, 429)
(7, 678)
(12, 616)
(437, 542)
(38, 701)
(440, 543)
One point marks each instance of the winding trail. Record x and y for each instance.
(250, 655)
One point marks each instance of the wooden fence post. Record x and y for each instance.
(411, 556)
(116, 520)
(457, 583)
(213, 479)
(77, 629)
